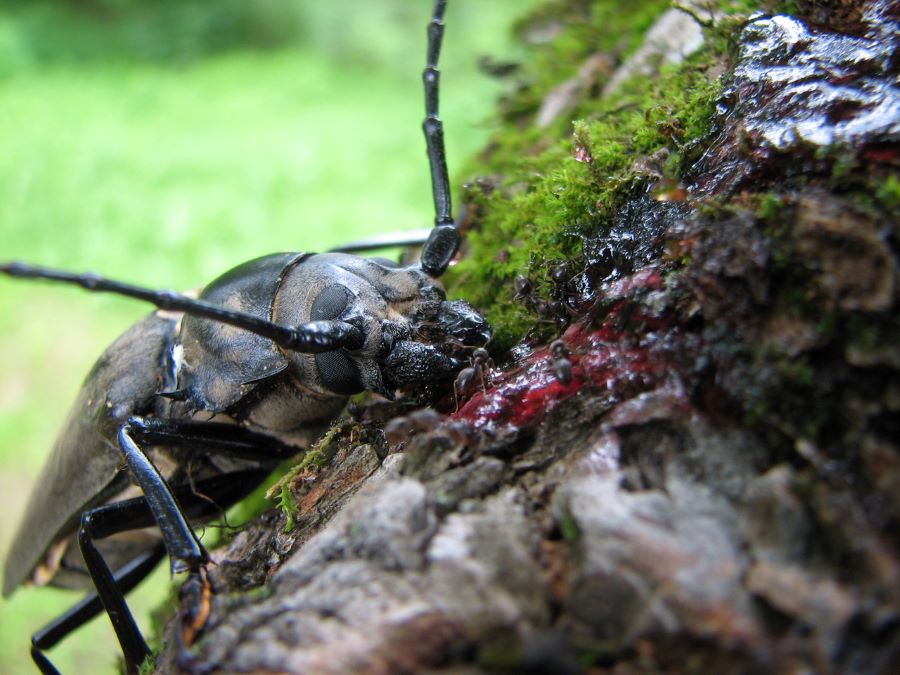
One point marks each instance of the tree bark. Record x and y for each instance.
(705, 476)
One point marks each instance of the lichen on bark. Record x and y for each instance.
(710, 482)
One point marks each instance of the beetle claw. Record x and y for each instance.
(196, 605)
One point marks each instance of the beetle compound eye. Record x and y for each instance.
(330, 303)
(339, 373)
(337, 370)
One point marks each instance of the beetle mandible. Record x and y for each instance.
(190, 409)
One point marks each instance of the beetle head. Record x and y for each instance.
(413, 336)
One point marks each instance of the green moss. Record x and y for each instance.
(283, 489)
(777, 389)
(771, 207)
(289, 507)
(548, 188)
(888, 192)
(148, 665)
(502, 651)
(786, 7)
(569, 529)
(580, 28)
(315, 459)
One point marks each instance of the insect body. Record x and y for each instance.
(480, 364)
(192, 407)
(562, 367)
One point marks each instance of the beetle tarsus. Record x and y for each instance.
(196, 601)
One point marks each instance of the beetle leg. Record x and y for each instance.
(186, 553)
(184, 547)
(126, 578)
(134, 648)
(213, 437)
(134, 514)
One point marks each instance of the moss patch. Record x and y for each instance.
(535, 193)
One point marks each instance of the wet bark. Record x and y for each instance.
(704, 477)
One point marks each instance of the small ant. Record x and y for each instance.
(526, 293)
(481, 362)
(556, 309)
(562, 367)
(523, 287)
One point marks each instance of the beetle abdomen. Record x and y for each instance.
(81, 471)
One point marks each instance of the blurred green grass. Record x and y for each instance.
(162, 143)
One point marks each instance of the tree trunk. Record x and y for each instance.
(705, 474)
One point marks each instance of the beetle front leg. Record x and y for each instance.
(182, 544)
(184, 547)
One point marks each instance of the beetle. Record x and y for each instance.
(191, 408)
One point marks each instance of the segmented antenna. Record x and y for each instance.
(312, 337)
(433, 127)
(443, 242)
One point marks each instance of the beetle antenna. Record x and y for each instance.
(312, 337)
(433, 127)
(389, 240)
(443, 242)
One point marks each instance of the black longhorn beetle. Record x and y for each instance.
(190, 409)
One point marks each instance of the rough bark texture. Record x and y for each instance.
(706, 478)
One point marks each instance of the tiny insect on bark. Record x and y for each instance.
(190, 409)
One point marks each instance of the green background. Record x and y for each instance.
(164, 142)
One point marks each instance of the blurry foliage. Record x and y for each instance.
(36, 33)
(44, 32)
